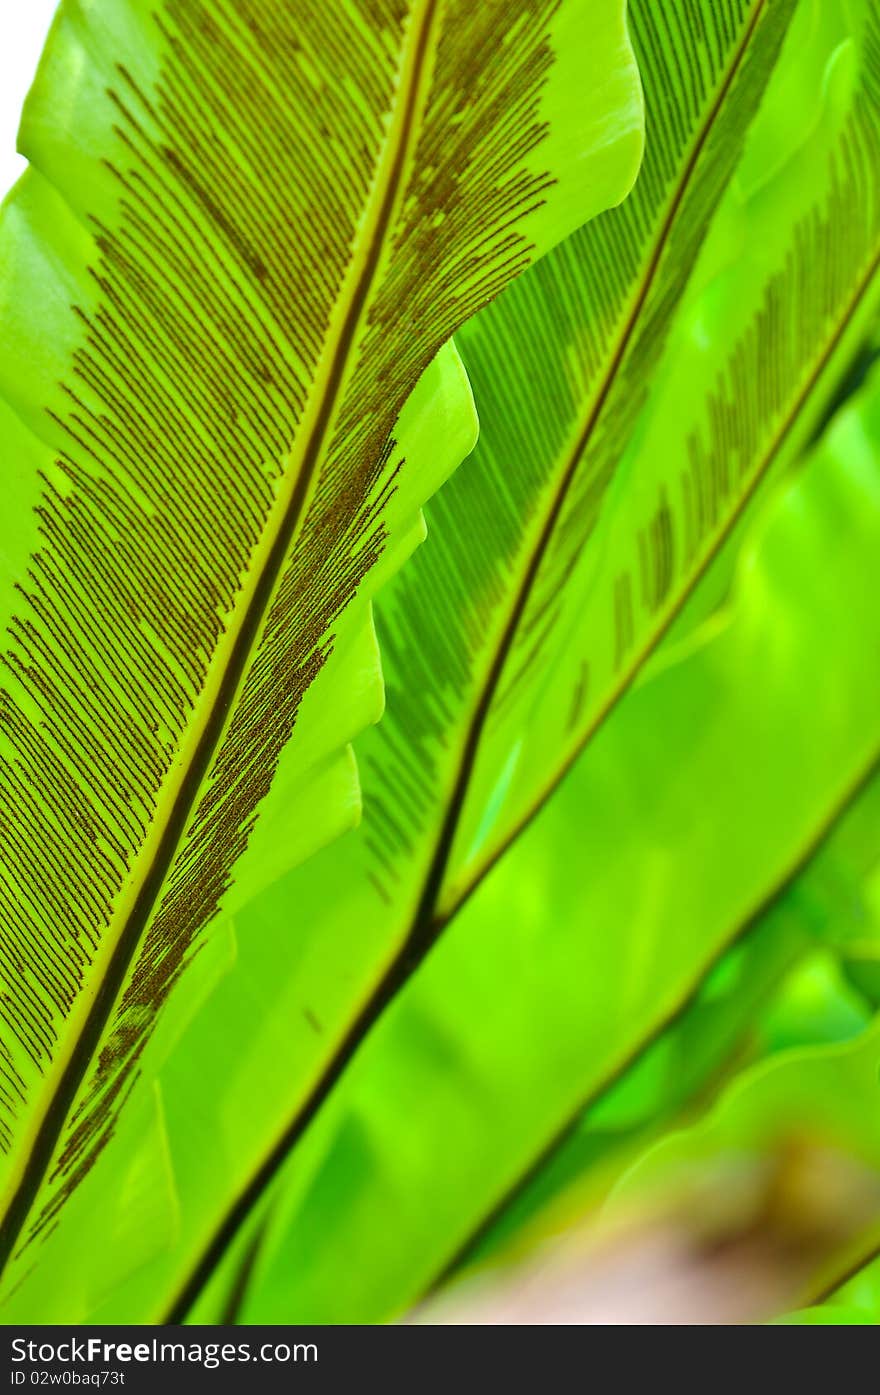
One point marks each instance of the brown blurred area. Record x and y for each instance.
(744, 1241)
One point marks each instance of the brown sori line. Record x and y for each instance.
(538, 618)
(74, 1073)
(425, 925)
(658, 636)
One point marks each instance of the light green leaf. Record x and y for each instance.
(775, 988)
(665, 449)
(691, 811)
(246, 233)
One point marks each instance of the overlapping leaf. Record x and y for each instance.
(689, 812)
(246, 232)
(654, 495)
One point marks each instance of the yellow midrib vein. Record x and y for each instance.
(85, 1025)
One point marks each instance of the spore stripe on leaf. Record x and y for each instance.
(261, 597)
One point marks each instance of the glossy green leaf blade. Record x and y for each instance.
(245, 234)
(760, 998)
(709, 791)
